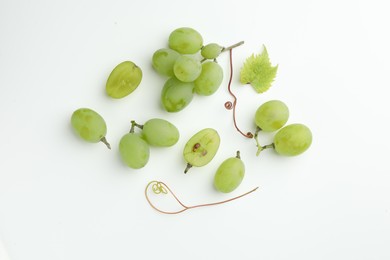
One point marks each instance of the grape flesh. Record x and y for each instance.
(209, 79)
(271, 115)
(211, 51)
(185, 40)
(160, 132)
(187, 68)
(134, 150)
(202, 147)
(163, 61)
(89, 125)
(229, 175)
(292, 140)
(123, 79)
(176, 95)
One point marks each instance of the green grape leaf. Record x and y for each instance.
(258, 71)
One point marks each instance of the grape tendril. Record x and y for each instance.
(229, 105)
(159, 187)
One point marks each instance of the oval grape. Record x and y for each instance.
(176, 95)
(209, 79)
(134, 150)
(229, 174)
(160, 132)
(185, 40)
(123, 79)
(201, 148)
(292, 140)
(271, 115)
(89, 125)
(211, 51)
(187, 68)
(163, 61)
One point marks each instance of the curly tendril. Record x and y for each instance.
(159, 187)
(229, 105)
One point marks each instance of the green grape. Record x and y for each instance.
(201, 148)
(209, 80)
(271, 115)
(123, 80)
(176, 95)
(211, 51)
(185, 40)
(229, 174)
(292, 140)
(160, 132)
(134, 150)
(187, 68)
(163, 61)
(90, 126)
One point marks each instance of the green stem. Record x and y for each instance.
(233, 46)
(104, 141)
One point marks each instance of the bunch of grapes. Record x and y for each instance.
(190, 67)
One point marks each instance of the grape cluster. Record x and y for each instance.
(190, 66)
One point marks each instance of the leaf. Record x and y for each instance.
(258, 71)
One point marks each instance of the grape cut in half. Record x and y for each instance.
(201, 148)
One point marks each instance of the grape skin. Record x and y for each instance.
(134, 151)
(209, 79)
(89, 125)
(185, 40)
(229, 175)
(163, 61)
(292, 140)
(176, 95)
(123, 79)
(160, 132)
(271, 115)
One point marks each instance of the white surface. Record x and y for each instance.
(61, 198)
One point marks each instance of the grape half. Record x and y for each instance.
(134, 150)
(187, 68)
(209, 79)
(271, 115)
(160, 132)
(229, 174)
(163, 61)
(292, 140)
(176, 95)
(89, 125)
(201, 148)
(123, 80)
(185, 40)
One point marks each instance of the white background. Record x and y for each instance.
(62, 198)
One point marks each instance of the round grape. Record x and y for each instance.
(229, 174)
(123, 80)
(160, 132)
(211, 51)
(134, 150)
(271, 115)
(209, 79)
(292, 140)
(187, 68)
(185, 40)
(176, 95)
(163, 61)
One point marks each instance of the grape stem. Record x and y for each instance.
(159, 187)
(189, 166)
(261, 148)
(232, 46)
(104, 141)
(133, 125)
(238, 155)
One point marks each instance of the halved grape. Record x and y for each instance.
(201, 148)
(271, 115)
(89, 125)
(160, 132)
(187, 68)
(209, 79)
(176, 95)
(123, 80)
(211, 51)
(185, 40)
(163, 61)
(134, 150)
(229, 174)
(292, 140)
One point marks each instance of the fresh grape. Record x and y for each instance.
(211, 51)
(187, 68)
(134, 150)
(160, 132)
(292, 140)
(201, 148)
(229, 174)
(271, 115)
(185, 40)
(163, 61)
(89, 125)
(123, 80)
(176, 95)
(209, 80)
